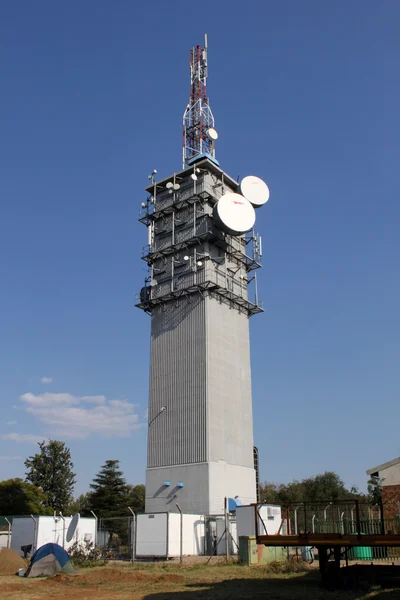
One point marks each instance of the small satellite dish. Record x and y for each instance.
(72, 527)
(169, 185)
(234, 214)
(212, 134)
(143, 205)
(255, 190)
(176, 186)
(153, 283)
(194, 176)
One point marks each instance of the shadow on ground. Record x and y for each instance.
(305, 586)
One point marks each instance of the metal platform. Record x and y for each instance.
(330, 540)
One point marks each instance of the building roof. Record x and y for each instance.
(204, 163)
(374, 472)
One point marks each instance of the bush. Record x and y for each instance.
(86, 555)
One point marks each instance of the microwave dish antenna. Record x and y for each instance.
(234, 214)
(255, 190)
(73, 526)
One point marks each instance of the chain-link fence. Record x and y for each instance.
(116, 537)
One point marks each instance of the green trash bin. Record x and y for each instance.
(362, 552)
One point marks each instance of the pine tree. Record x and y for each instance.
(51, 470)
(136, 498)
(109, 496)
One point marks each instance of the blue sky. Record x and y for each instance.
(306, 96)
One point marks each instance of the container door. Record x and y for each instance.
(152, 534)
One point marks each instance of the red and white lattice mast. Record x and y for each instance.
(199, 134)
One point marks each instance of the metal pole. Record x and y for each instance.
(313, 523)
(181, 534)
(325, 509)
(134, 535)
(95, 529)
(34, 534)
(256, 288)
(226, 528)
(172, 255)
(358, 525)
(167, 544)
(63, 518)
(295, 519)
(9, 532)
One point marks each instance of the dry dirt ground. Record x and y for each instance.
(174, 582)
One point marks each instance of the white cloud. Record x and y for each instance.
(22, 437)
(49, 399)
(11, 423)
(94, 399)
(68, 416)
(46, 379)
(10, 457)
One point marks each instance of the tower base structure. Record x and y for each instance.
(205, 488)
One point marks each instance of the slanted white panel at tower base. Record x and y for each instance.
(159, 535)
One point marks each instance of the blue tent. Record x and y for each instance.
(48, 560)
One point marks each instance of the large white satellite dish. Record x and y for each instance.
(212, 134)
(73, 527)
(234, 214)
(255, 190)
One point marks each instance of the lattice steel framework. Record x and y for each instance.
(198, 117)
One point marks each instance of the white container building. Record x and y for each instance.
(269, 520)
(42, 530)
(159, 535)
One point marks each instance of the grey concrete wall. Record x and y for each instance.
(391, 475)
(178, 381)
(205, 487)
(192, 498)
(229, 417)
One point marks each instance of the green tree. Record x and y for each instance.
(374, 490)
(269, 493)
(18, 497)
(136, 497)
(109, 495)
(81, 505)
(52, 470)
(325, 487)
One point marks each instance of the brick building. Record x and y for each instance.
(388, 475)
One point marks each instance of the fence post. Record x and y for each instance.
(181, 534)
(34, 534)
(63, 520)
(95, 529)
(226, 529)
(134, 535)
(9, 532)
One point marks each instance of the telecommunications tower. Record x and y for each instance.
(201, 289)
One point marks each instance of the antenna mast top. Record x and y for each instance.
(198, 121)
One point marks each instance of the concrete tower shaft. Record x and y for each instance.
(200, 447)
